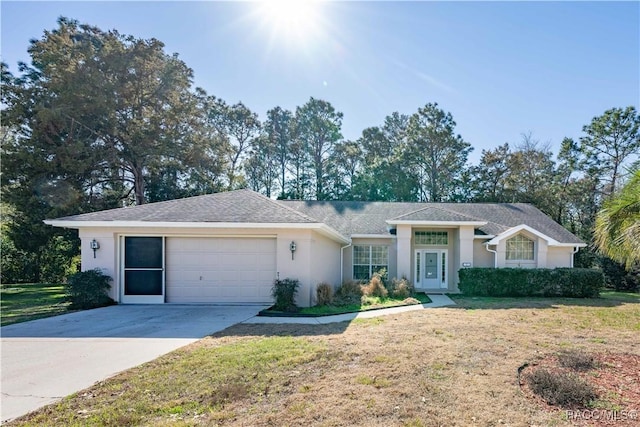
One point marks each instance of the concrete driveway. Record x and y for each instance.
(48, 359)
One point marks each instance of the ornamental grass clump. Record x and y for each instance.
(375, 287)
(324, 294)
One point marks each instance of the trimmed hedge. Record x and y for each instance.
(531, 282)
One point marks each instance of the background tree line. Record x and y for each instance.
(102, 120)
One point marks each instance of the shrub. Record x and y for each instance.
(349, 292)
(560, 389)
(618, 278)
(284, 293)
(375, 287)
(88, 289)
(520, 282)
(401, 288)
(577, 360)
(324, 294)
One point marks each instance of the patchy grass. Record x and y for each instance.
(23, 302)
(447, 366)
(372, 303)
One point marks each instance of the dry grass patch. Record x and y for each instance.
(450, 366)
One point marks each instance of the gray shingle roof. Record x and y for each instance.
(370, 217)
(348, 218)
(435, 213)
(242, 206)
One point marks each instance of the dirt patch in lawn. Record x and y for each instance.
(614, 378)
(437, 367)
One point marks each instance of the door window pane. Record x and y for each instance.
(143, 252)
(143, 282)
(431, 265)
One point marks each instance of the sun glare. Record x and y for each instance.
(297, 20)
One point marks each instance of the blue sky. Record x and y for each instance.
(501, 68)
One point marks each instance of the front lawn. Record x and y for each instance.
(29, 301)
(454, 366)
(371, 303)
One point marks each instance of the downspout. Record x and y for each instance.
(575, 251)
(495, 255)
(342, 263)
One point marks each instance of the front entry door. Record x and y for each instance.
(431, 268)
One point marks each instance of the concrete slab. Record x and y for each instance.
(44, 360)
(436, 301)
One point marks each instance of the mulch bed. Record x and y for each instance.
(616, 378)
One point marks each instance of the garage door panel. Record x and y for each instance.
(222, 270)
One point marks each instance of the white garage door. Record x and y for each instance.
(220, 270)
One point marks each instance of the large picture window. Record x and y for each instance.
(431, 238)
(520, 248)
(369, 259)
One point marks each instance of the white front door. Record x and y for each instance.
(431, 268)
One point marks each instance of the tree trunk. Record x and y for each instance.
(138, 185)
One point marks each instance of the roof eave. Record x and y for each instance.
(515, 230)
(320, 227)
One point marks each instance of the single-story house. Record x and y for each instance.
(229, 247)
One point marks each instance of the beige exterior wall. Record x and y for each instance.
(453, 252)
(404, 251)
(545, 256)
(481, 256)
(317, 257)
(325, 265)
(105, 257)
(347, 265)
(307, 242)
(559, 257)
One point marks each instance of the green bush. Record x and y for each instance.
(324, 294)
(284, 293)
(537, 282)
(619, 278)
(88, 289)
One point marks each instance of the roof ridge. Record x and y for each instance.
(257, 195)
(462, 214)
(435, 205)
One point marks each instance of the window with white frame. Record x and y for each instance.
(520, 248)
(369, 259)
(431, 238)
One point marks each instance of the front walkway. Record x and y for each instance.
(436, 301)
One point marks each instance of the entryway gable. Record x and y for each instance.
(430, 255)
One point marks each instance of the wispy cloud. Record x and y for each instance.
(429, 79)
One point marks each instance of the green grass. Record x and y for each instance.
(372, 304)
(607, 298)
(23, 302)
